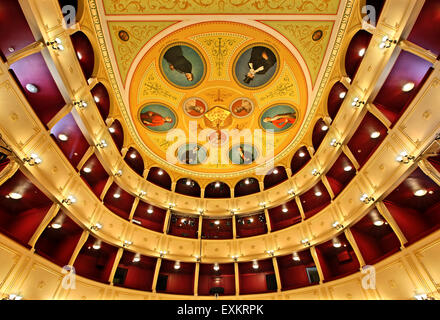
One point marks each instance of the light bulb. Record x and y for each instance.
(216, 267)
(296, 257)
(111, 130)
(15, 195)
(420, 192)
(342, 94)
(217, 222)
(137, 258)
(63, 137)
(177, 265)
(285, 210)
(407, 87)
(362, 52)
(301, 154)
(336, 243)
(87, 170)
(375, 135)
(255, 265)
(348, 168)
(97, 245)
(318, 193)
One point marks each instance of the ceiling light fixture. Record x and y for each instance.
(142, 193)
(150, 211)
(404, 157)
(55, 44)
(33, 160)
(348, 168)
(366, 199)
(171, 205)
(111, 130)
(97, 245)
(117, 195)
(305, 242)
(80, 104)
(357, 102)
(375, 135)
(162, 253)
(137, 257)
(324, 127)
(14, 196)
(270, 252)
(177, 265)
(291, 192)
(342, 94)
(337, 225)
(118, 173)
(263, 204)
(362, 52)
(315, 172)
(247, 181)
(79, 55)
(420, 192)
(58, 223)
(216, 267)
(97, 226)
(285, 210)
(133, 155)
(31, 88)
(217, 184)
(127, 243)
(407, 87)
(386, 42)
(188, 182)
(336, 243)
(160, 172)
(217, 222)
(69, 200)
(318, 193)
(102, 144)
(295, 257)
(301, 154)
(335, 143)
(255, 265)
(87, 170)
(96, 98)
(63, 137)
(275, 171)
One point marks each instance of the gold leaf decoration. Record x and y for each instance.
(139, 34)
(219, 48)
(221, 6)
(153, 86)
(300, 33)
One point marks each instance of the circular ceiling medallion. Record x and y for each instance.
(192, 154)
(123, 35)
(243, 154)
(279, 118)
(241, 107)
(195, 107)
(232, 124)
(317, 35)
(256, 66)
(157, 117)
(182, 65)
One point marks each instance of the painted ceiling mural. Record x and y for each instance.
(212, 97)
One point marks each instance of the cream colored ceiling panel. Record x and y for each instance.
(17, 123)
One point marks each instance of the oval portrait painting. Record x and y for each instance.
(256, 66)
(241, 107)
(182, 66)
(279, 118)
(194, 107)
(191, 154)
(157, 117)
(243, 154)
